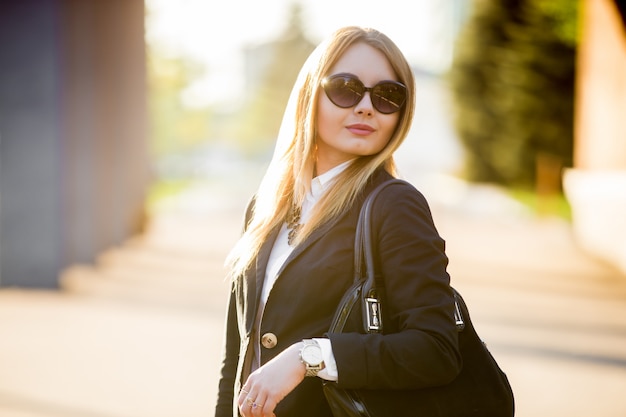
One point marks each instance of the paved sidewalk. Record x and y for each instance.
(124, 340)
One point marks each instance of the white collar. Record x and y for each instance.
(320, 183)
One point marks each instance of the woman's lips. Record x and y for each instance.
(360, 129)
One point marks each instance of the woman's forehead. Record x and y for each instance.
(366, 62)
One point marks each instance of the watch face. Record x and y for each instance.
(312, 355)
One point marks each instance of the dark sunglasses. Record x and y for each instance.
(346, 90)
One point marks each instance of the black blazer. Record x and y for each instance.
(422, 351)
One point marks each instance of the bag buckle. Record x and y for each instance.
(373, 314)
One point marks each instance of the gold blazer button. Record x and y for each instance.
(269, 340)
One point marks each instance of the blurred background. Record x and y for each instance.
(133, 132)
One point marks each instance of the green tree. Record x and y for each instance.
(175, 126)
(259, 121)
(512, 82)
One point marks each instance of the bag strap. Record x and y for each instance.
(363, 273)
(363, 247)
(373, 285)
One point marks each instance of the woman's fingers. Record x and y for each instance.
(269, 384)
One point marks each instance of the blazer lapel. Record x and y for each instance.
(253, 282)
(316, 235)
(262, 260)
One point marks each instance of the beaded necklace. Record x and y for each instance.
(293, 224)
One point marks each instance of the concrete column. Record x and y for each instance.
(104, 123)
(596, 187)
(30, 144)
(73, 145)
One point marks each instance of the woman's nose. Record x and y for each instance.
(365, 105)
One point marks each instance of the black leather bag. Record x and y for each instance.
(481, 389)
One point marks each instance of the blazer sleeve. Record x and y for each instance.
(420, 346)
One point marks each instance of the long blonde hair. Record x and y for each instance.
(288, 177)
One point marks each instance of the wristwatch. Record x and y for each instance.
(311, 357)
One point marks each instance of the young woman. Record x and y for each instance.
(349, 111)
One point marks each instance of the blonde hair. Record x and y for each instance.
(289, 174)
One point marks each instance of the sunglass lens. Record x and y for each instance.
(388, 97)
(344, 91)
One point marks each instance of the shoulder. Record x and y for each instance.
(389, 192)
(399, 206)
(383, 180)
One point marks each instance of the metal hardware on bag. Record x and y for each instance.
(373, 314)
(458, 317)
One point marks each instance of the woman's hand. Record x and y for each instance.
(269, 384)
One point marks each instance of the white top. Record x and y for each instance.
(280, 253)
